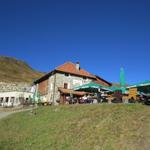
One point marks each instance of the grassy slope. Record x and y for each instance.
(13, 70)
(85, 127)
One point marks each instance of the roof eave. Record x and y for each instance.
(103, 80)
(75, 74)
(46, 76)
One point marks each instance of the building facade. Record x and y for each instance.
(67, 76)
(13, 94)
(14, 98)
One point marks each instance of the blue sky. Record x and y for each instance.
(102, 35)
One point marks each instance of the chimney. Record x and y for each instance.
(78, 65)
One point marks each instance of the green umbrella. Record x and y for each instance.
(145, 94)
(91, 87)
(122, 77)
(115, 88)
(142, 86)
(86, 86)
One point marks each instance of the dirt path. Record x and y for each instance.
(4, 114)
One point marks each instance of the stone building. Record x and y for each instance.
(67, 76)
(13, 94)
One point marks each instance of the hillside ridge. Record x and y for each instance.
(15, 70)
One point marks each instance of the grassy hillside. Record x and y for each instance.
(78, 127)
(13, 70)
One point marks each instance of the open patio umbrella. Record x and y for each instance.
(145, 83)
(145, 94)
(91, 87)
(142, 86)
(115, 88)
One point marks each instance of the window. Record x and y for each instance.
(65, 85)
(12, 99)
(7, 99)
(67, 74)
(1, 99)
(85, 78)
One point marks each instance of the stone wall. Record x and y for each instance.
(60, 79)
(20, 87)
(57, 80)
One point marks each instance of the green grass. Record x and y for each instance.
(78, 127)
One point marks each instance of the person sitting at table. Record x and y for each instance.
(85, 98)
